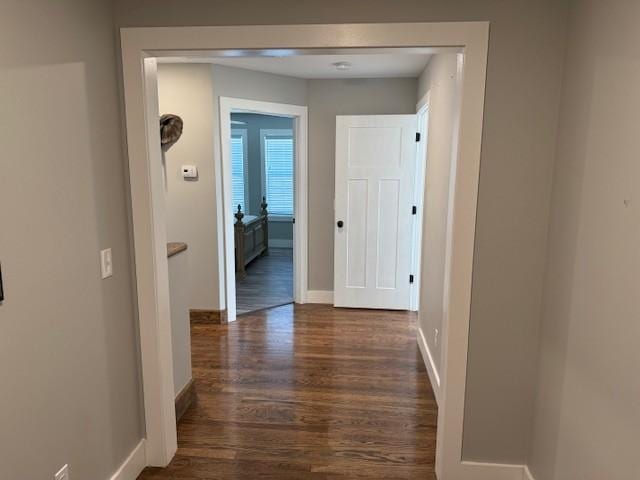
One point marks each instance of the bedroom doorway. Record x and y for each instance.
(264, 190)
(262, 164)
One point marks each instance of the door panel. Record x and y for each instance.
(387, 248)
(356, 234)
(374, 146)
(375, 170)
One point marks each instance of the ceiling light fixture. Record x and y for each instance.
(342, 66)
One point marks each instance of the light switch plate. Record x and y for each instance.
(63, 474)
(106, 263)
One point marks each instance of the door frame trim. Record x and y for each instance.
(141, 47)
(225, 221)
(423, 108)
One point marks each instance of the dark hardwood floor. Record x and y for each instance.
(269, 282)
(307, 392)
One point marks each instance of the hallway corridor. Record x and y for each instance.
(307, 392)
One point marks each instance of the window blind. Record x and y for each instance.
(237, 172)
(278, 153)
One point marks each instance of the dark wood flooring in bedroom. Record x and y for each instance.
(307, 392)
(269, 282)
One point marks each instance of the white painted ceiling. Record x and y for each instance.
(369, 65)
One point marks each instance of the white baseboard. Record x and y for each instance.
(493, 471)
(133, 465)
(432, 371)
(320, 296)
(527, 473)
(280, 243)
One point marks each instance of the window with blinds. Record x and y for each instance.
(238, 169)
(278, 171)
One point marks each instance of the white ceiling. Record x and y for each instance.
(368, 65)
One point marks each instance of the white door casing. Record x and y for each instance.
(299, 114)
(375, 183)
(140, 47)
(422, 119)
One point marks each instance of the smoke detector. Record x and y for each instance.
(342, 66)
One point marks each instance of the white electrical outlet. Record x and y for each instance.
(63, 474)
(106, 263)
(436, 336)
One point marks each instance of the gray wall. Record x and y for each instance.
(440, 80)
(236, 82)
(328, 98)
(587, 412)
(186, 90)
(193, 91)
(73, 205)
(325, 99)
(68, 356)
(278, 230)
(526, 56)
(180, 297)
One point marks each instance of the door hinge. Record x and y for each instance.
(410, 278)
(293, 220)
(417, 136)
(414, 210)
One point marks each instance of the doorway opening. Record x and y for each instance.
(264, 165)
(262, 160)
(142, 47)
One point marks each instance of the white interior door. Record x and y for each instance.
(375, 183)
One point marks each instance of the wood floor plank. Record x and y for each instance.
(307, 392)
(269, 282)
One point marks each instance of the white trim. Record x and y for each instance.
(424, 101)
(152, 269)
(299, 114)
(422, 117)
(140, 46)
(280, 243)
(132, 467)
(432, 370)
(527, 473)
(324, 297)
(491, 471)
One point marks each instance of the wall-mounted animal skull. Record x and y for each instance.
(170, 130)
